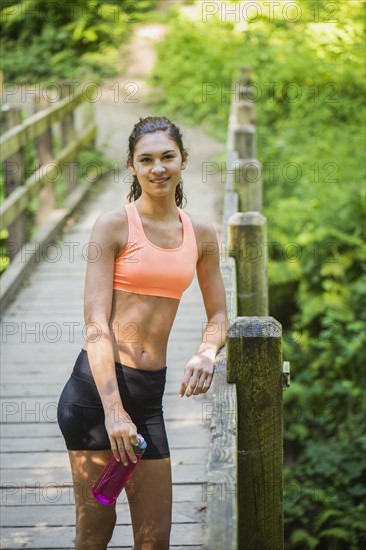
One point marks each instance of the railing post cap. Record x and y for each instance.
(247, 218)
(255, 327)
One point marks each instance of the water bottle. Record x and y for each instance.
(115, 475)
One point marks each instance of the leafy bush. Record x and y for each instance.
(192, 72)
(65, 40)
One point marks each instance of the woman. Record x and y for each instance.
(149, 251)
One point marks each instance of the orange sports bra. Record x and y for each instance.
(145, 268)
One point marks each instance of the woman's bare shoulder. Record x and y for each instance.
(112, 217)
(112, 226)
(203, 228)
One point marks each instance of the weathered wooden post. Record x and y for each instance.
(241, 131)
(90, 94)
(44, 148)
(246, 243)
(244, 75)
(245, 113)
(244, 141)
(247, 182)
(247, 91)
(68, 135)
(14, 177)
(254, 363)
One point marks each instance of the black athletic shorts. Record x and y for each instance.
(80, 411)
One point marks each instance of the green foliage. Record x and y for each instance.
(65, 40)
(310, 116)
(192, 70)
(93, 162)
(4, 258)
(324, 491)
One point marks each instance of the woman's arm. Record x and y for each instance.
(199, 370)
(98, 296)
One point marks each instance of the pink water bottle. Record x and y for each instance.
(115, 475)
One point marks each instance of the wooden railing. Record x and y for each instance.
(22, 248)
(244, 489)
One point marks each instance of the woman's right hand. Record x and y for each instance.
(122, 432)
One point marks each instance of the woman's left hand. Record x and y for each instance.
(198, 374)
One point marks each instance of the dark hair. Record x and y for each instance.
(149, 125)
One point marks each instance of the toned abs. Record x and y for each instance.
(140, 326)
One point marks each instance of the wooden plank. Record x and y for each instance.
(181, 472)
(54, 514)
(18, 496)
(33, 377)
(30, 460)
(44, 336)
(43, 409)
(54, 443)
(14, 434)
(58, 369)
(62, 537)
(34, 386)
(57, 444)
(187, 336)
(22, 460)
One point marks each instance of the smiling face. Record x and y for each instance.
(157, 164)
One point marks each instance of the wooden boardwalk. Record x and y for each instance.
(42, 333)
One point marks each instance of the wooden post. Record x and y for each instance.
(244, 75)
(88, 107)
(244, 141)
(13, 178)
(254, 363)
(247, 92)
(245, 106)
(1, 86)
(246, 240)
(68, 134)
(247, 182)
(47, 196)
(245, 112)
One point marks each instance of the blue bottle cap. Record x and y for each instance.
(140, 446)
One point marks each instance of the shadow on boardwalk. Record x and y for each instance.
(42, 335)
